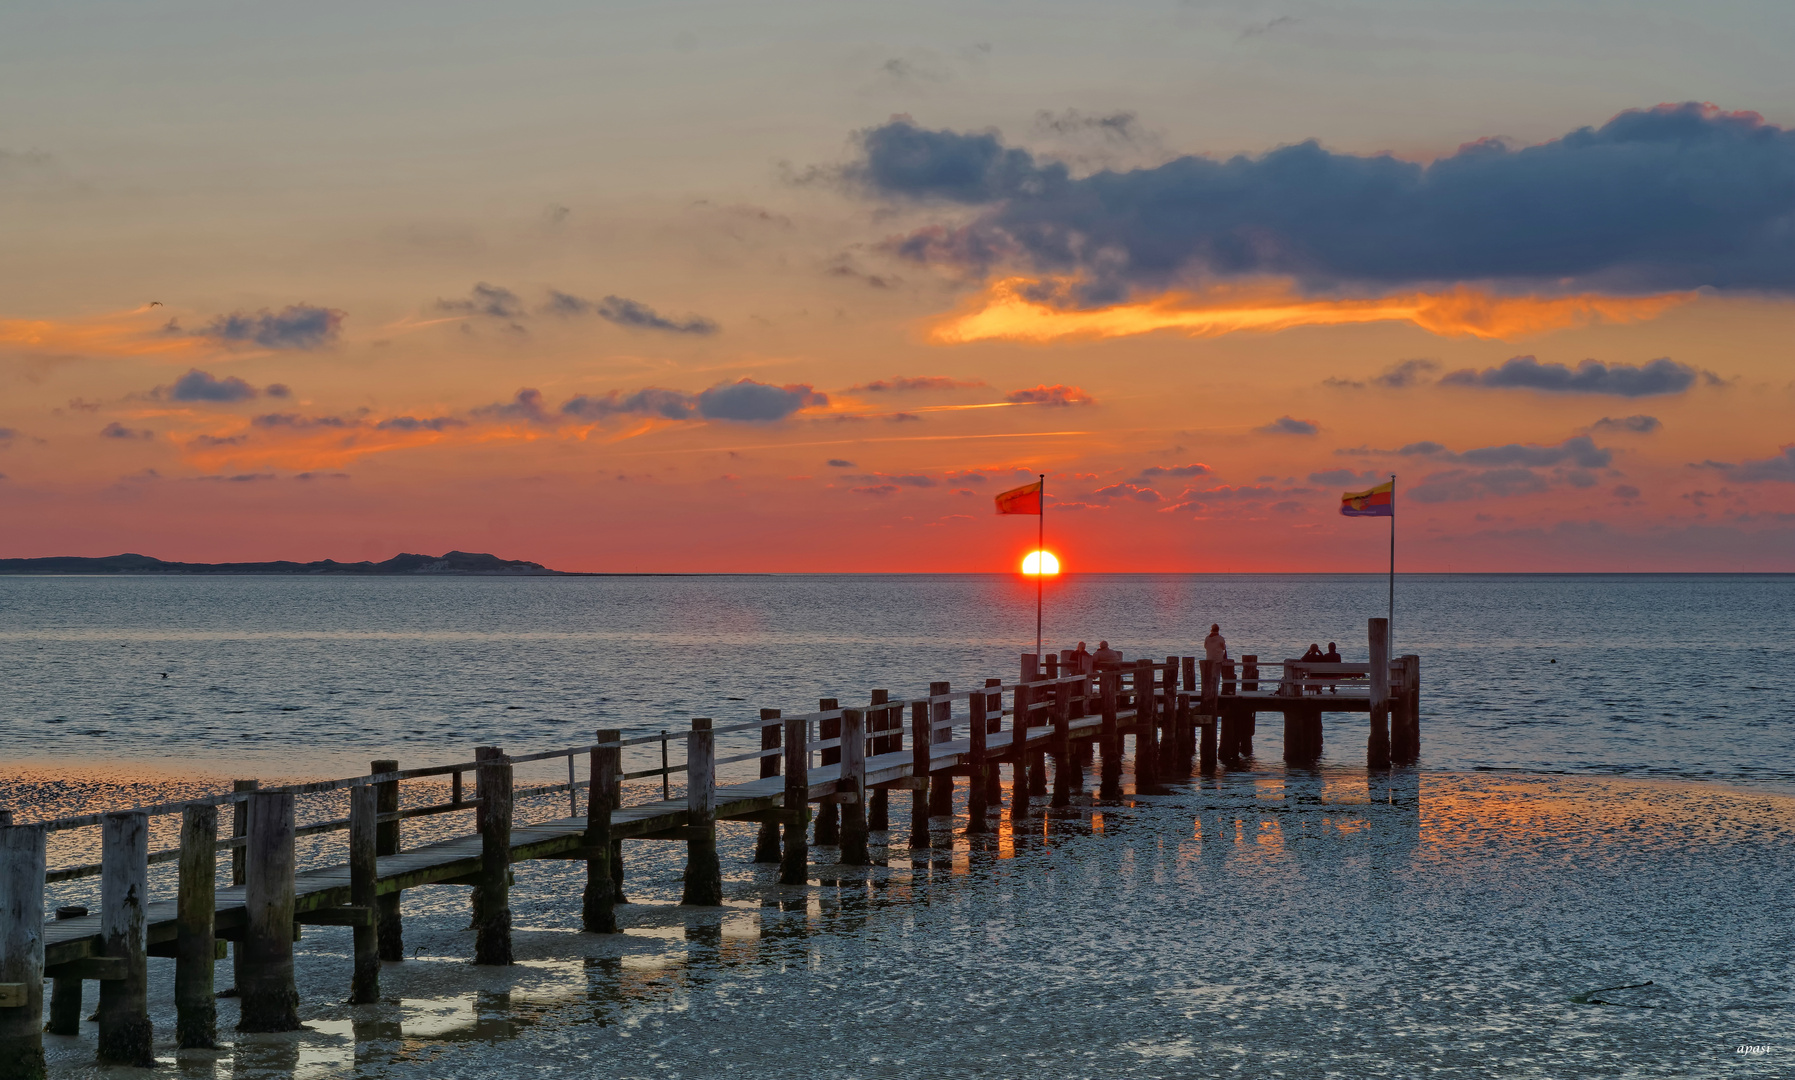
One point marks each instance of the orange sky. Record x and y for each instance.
(719, 354)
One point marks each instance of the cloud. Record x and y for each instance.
(651, 401)
(116, 430)
(198, 385)
(414, 423)
(1660, 376)
(1458, 485)
(1779, 468)
(756, 402)
(1672, 197)
(626, 312)
(915, 480)
(212, 442)
(1578, 450)
(1398, 376)
(911, 383)
(1050, 395)
(525, 405)
(840, 463)
(1289, 425)
(877, 489)
(1637, 424)
(1625, 491)
(485, 299)
(297, 326)
(1127, 491)
(1195, 468)
(1346, 478)
(298, 422)
(1121, 126)
(8, 434)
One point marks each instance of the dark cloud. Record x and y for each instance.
(211, 441)
(1458, 485)
(198, 385)
(1121, 126)
(652, 401)
(1660, 376)
(915, 480)
(297, 326)
(526, 405)
(1050, 395)
(876, 489)
(1779, 468)
(1289, 425)
(279, 390)
(1625, 491)
(1637, 424)
(1127, 491)
(1195, 468)
(840, 463)
(298, 422)
(1579, 450)
(1346, 478)
(756, 402)
(1398, 376)
(1672, 197)
(485, 299)
(626, 312)
(116, 430)
(414, 423)
(905, 383)
(8, 434)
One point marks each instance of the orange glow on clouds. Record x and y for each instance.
(1004, 313)
(124, 333)
(1040, 564)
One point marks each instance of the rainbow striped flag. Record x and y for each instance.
(1380, 501)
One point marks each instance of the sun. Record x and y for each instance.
(1040, 563)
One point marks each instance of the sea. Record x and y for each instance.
(1589, 872)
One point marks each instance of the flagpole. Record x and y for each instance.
(1040, 563)
(1391, 620)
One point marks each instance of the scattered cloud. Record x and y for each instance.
(757, 402)
(494, 301)
(297, 326)
(1346, 478)
(199, 385)
(1050, 395)
(1458, 485)
(415, 423)
(651, 401)
(1289, 425)
(1624, 491)
(116, 430)
(840, 463)
(1781, 468)
(631, 313)
(1127, 491)
(1398, 376)
(1660, 376)
(1195, 468)
(212, 442)
(525, 405)
(914, 480)
(1637, 424)
(914, 383)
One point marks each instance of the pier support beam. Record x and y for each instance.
(391, 932)
(794, 861)
(22, 951)
(124, 1013)
(65, 991)
(993, 724)
(598, 902)
(852, 788)
(492, 907)
(766, 845)
(1109, 691)
(196, 1006)
(364, 875)
(978, 786)
(704, 874)
(1146, 728)
(941, 785)
(270, 1001)
(1377, 749)
(878, 801)
(239, 867)
(920, 756)
(1020, 720)
(1063, 768)
(828, 815)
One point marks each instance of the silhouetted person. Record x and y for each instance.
(1215, 650)
(1081, 658)
(1332, 656)
(1313, 656)
(1107, 655)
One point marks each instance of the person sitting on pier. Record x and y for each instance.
(1313, 656)
(1081, 658)
(1332, 656)
(1107, 655)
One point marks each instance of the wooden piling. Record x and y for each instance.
(766, 845)
(1146, 728)
(598, 902)
(239, 863)
(124, 1013)
(492, 911)
(196, 1006)
(878, 801)
(1109, 688)
(794, 860)
(828, 815)
(993, 724)
(978, 788)
(852, 788)
(1377, 749)
(1020, 788)
(1209, 706)
(22, 849)
(1062, 746)
(270, 1001)
(364, 877)
(704, 874)
(65, 991)
(391, 932)
(941, 786)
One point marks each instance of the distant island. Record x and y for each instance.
(455, 562)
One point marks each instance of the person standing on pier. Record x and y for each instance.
(1107, 655)
(1332, 656)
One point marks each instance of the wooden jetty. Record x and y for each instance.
(1184, 714)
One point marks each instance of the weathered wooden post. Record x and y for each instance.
(598, 902)
(828, 814)
(1109, 689)
(852, 788)
(492, 907)
(270, 1001)
(1188, 668)
(794, 861)
(1249, 673)
(364, 877)
(239, 865)
(1377, 750)
(704, 874)
(766, 845)
(878, 801)
(993, 724)
(22, 865)
(124, 1013)
(65, 990)
(196, 1006)
(1146, 728)
(1411, 713)
(1172, 722)
(1062, 746)
(978, 787)
(941, 786)
(1209, 706)
(1020, 787)
(391, 932)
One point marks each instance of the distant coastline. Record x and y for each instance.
(460, 563)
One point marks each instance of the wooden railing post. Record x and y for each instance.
(1249, 673)
(1411, 710)
(269, 998)
(794, 861)
(1171, 739)
(704, 874)
(196, 1006)
(1377, 749)
(1146, 727)
(598, 902)
(1062, 745)
(993, 724)
(941, 785)
(828, 815)
(22, 855)
(1109, 690)
(1020, 788)
(920, 757)
(492, 908)
(239, 864)
(364, 876)
(124, 1013)
(766, 845)
(978, 787)
(1208, 707)
(878, 801)
(391, 932)
(852, 788)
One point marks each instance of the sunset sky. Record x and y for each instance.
(801, 286)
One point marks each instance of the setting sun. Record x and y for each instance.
(1040, 562)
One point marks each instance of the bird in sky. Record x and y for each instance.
(155, 303)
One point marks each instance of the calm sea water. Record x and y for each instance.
(1601, 803)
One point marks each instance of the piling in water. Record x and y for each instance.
(22, 857)
(196, 1006)
(941, 785)
(794, 861)
(852, 788)
(598, 901)
(828, 814)
(269, 999)
(391, 931)
(492, 912)
(919, 772)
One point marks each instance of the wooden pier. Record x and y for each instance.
(1184, 715)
